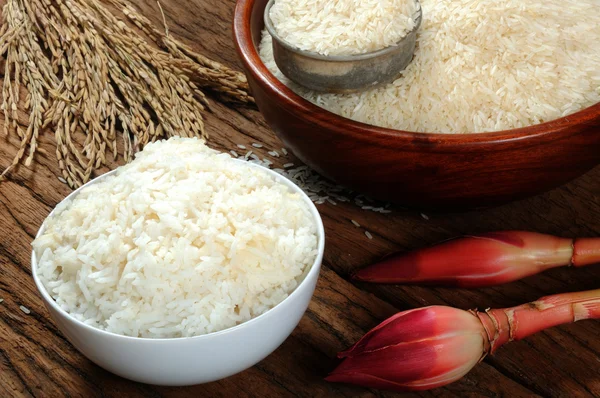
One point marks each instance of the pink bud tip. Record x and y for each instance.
(476, 261)
(415, 350)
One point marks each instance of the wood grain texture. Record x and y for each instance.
(438, 171)
(36, 360)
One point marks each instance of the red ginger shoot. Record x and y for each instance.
(483, 260)
(433, 346)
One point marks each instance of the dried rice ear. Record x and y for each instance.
(98, 85)
(229, 84)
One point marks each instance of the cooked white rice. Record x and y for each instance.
(181, 242)
(343, 27)
(483, 66)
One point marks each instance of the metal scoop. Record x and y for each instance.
(342, 73)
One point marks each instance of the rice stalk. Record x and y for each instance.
(92, 80)
(207, 73)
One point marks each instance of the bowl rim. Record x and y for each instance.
(242, 36)
(313, 272)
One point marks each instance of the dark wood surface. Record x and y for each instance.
(36, 360)
(439, 171)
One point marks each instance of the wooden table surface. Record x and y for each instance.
(37, 360)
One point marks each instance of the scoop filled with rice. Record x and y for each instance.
(183, 241)
(343, 27)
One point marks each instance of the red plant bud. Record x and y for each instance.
(433, 346)
(415, 350)
(484, 260)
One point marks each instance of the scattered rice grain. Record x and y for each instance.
(317, 188)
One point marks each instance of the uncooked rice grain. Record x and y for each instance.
(317, 188)
(482, 66)
(24, 309)
(343, 27)
(183, 241)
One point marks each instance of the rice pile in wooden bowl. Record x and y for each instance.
(183, 241)
(501, 101)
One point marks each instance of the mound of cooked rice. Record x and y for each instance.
(343, 27)
(183, 241)
(482, 66)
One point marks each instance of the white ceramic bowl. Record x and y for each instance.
(191, 360)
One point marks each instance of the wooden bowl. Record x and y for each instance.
(436, 171)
